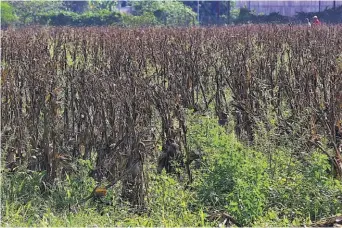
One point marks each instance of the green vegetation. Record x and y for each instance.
(242, 181)
(28, 11)
(144, 13)
(258, 190)
(97, 13)
(67, 18)
(7, 14)
(171, 126)
(165, 12)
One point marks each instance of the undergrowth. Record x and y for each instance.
(255, 185)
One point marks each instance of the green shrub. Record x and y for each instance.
(274, 187)
(168, 204)
(63, 18)
(26, 196)
(147, 19)
(247, 15)
(302, 192)
(235, 179)
(7, 14)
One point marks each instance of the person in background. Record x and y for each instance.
(316, 21)
(308, 21)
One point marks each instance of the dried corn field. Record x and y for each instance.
(114, 93)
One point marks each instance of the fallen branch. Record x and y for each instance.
(328, 222)
(224, 218)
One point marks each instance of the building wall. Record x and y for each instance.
(287, 8)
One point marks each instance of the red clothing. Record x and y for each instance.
(316, 22)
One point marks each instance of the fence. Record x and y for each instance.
(287, 8)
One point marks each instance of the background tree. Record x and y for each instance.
(7, 14)
(27, 11)
(76, 6)
(166, 12)
(102, 5)
(214, 12)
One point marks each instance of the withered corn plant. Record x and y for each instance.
(111, 92)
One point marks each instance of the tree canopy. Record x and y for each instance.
(27, 11)
(166, 12)
(7, 13)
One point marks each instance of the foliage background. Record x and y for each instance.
(145, 13)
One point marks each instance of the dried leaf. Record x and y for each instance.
(100, 191)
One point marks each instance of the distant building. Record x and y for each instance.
(287, 8)
(124, 8)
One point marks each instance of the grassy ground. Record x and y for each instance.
(257, 186)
